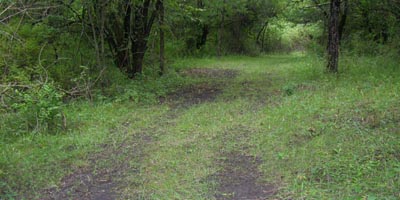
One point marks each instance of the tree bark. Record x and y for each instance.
(143, 23)
(161, 11)
(128, 32)
(343, 19)
(139, 48)
(137, 65)
(333, 40)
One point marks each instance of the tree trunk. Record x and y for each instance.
(333, 40)
(262, 30)
(201, 41)
(141, 31)
(117, 35)
(137, 65)
(263, 42)
(160, 8)
(221, 30)
(343, 19)
(138, 52)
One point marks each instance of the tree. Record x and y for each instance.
(343, 19)
(160, 8)
(333, 38)
(127, 27)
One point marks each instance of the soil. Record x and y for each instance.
(240, 179)
(200, 93)
(100, 183)
(192, 95)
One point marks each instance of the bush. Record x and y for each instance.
(40, 108)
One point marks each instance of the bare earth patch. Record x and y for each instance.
(240, 179)
(99, 180)
(201, 93)
(192, 95)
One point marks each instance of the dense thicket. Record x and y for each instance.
(52, 51)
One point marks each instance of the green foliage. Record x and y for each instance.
(235, 23)
(40, 108)
(284, 36)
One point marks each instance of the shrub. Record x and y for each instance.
(40, 108)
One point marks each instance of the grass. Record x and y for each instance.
(320, 136)
(34, 162)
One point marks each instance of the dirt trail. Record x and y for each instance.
(99, 180)
(239, 177)
(189, 96)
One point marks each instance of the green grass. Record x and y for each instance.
(320, 136)
(37, 161)
(340, 138)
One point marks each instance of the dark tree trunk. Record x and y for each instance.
(221, 30)
(160, 8)
(203, 38)
(120, 52)
(122, 59)
(261, 36)
(137, 65)
(117, 35)
(343, 19)
(139, 48)
(263, 42)
(333, 40)
(262, 30)
(143, 23)
(127, 34)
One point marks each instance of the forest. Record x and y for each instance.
(200, 99)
